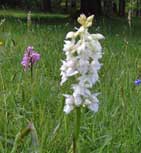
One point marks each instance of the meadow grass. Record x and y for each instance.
(116, 128)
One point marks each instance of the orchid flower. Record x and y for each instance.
(83, 52)
(30, 58)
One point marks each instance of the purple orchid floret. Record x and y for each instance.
(30, 58)
(137, 82)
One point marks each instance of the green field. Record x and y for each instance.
(115, 128)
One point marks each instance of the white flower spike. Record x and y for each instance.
(83, 51)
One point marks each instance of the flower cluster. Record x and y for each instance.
(137, 82)
(30, 58)
(83, 52)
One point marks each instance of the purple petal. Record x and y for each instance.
(35, 57)
(93, 107)
(137, 82)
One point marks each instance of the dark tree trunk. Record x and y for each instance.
(3, 2)
(122, 7)
(11, 3)
(46, 5)
(89, 7)
(73, 3)
(138, 12)
(66, 4)
(108, 8)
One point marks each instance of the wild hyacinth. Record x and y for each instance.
(30, 58)
(83, 51)
(137, 82)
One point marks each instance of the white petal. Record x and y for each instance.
(78, 100)
(81, 48)
(90, 18)
(64, 79)
(70, 35)
(69, 100)
(97, 36)
(95, 46)
(93, 107)
(83, 66)
(68, 108)
(71, 63)
(80, 90)
(87, 102)
(71, 72)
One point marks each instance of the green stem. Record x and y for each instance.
(76, 130)
(31, 69)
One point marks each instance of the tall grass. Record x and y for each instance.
(116, 128)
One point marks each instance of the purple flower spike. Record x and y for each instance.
(30, 58)
(137, 82)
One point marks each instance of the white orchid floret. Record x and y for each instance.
(69, 99)
(83, 51)
(68, 46)
(83, 66)
(93, 107)
(90, 18)
(92, 102)
(81, 46)
(94, 45)
(96, 55)
(97, 36)
(77, 99)
(95, 103)
(70, 72)
(70, 35)
(68, 69)
(88, 80)
(95, 65)
(69, 103)
(68, 108)
(81, 90)
(68, 64)
(84, 21)
(63, 79)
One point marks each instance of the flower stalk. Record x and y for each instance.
(31, 71)
(76, 130)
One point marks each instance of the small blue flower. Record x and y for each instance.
(137, 82)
